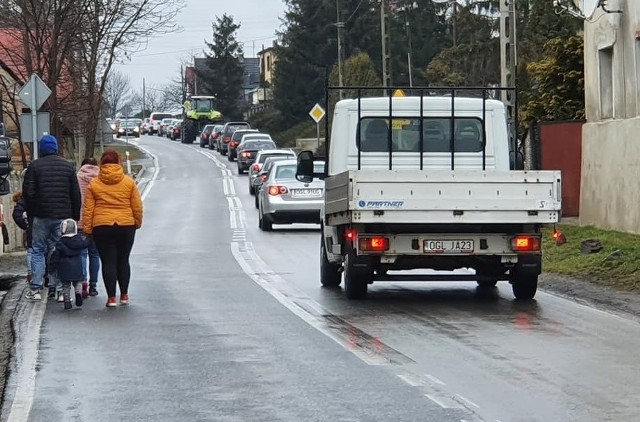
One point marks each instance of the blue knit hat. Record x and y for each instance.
(48, 144)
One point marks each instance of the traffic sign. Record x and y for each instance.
(317, 113)
(26, 126)
(36, 89)
(399, 93)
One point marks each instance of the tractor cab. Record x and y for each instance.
(199, 111)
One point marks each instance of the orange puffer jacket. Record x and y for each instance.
(111, 198)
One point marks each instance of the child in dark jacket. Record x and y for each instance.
(67, 261)
(23, 221)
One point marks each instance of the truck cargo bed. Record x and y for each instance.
(439, 196)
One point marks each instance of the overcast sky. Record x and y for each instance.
(159, 64)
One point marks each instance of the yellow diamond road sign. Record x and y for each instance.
(317, 113)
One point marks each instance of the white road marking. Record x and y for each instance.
(156, 170)
(410, 380)
(467, 401)
(444, 402)
(434, 379)
(25, 374)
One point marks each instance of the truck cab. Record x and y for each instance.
(362, 140)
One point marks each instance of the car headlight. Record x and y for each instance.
(136, 129)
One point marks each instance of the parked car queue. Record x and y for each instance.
(279, 197)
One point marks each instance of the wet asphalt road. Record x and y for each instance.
(228, 323)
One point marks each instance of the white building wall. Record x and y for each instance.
(610, 189)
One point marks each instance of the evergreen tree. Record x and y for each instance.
(558, 92)
(223, 76)
(305, 56)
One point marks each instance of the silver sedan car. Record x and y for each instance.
(284, 200)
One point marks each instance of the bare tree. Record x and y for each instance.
(40, 37)
(72, 45)
(117, 91)
(115, 29)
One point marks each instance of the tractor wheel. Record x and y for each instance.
(190, 131)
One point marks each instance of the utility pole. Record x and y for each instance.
(386, 43)
(454, 18)
(410, 52)
(339, 25)
(144, 97)
(508, 55)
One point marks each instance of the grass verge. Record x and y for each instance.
(121, 148)
(617, 264)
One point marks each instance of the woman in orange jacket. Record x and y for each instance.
(112, 213)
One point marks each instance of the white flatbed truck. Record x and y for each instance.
(427, 182)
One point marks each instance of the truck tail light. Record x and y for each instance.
(351, 235)
(233, 144)
(278, 190)
(525, 243)
(373, 243)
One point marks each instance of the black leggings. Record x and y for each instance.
(114, 245)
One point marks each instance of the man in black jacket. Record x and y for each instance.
(52, 194)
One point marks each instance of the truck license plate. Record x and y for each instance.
(448, 246)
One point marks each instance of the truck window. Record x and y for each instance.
(405, 134)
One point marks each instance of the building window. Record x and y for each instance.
(605, 58)
(638, 76)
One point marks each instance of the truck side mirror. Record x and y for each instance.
(304, 170)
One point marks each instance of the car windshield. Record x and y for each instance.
(263, 158)
(238, 134)
(233, 128)
(259, 145)
(287, 171)
(130, 124)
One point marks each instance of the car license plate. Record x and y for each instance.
(452, 246)
(305, 193)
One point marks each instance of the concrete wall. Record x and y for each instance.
(610, 191)
(611, 144)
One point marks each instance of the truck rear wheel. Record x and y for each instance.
(355, 280)
(524, 286)
(329, 272)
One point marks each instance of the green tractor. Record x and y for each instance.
(199, 111)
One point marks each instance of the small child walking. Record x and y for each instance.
(21, 219)
(67, 261)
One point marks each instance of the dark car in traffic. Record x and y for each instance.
(227, 132)
(248, 149)
(204, 135)
(235, 141)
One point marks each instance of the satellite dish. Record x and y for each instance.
(588, 7)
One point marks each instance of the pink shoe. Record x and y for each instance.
(124, 299)
(111, 302)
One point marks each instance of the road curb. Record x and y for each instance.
(9, 306)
